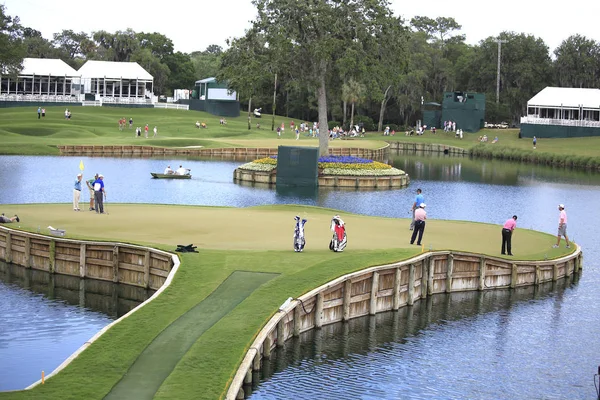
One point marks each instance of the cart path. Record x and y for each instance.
(157, 361)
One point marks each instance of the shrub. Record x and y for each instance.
(333, 124)
(368, 123)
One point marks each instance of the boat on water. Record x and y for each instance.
(170, 176)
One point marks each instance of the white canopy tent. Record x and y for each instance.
(40, 77)
(579, 104)
(109, 79)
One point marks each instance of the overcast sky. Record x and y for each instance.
(193, 25)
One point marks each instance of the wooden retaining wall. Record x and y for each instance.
(337, 181)
(390, 287)
(106, 261)
(234, 152)
(428, 147)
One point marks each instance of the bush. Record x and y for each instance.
(333, 124)
(368, 123)
(393, 127)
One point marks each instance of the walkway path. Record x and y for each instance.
(158, 360)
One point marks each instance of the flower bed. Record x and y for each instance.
(333, 165)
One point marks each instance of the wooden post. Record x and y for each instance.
(8, 251)
(281, 332)
(116, 266)
(555, 271)
(27, 252)
(240, 394)
(297, 320)
(396, 290)
(82, 265)
(481, 274)
(256, 362)
(147, 270)
(267, 348)
(430, 276)
(568, 268)
(514, 276)
(424, 279)
(411, 284)
(347, 300)
(52, 258)
(319, 311)
(449, 269)
(248, 377)
(374, 290)
(537, 275)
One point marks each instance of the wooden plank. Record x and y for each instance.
(333, 303)
(82, 264)
(319, 311)
(396, 293)
(131, 267)
(99, 262)
(66, 257)
(297, 320)
(27, 252)
(514, 276)
(482, 274)
(430, 275)
(411, 284)
(147, 269)
(347, 299)
(555, 272)
(8, 250)
(449, 273)
(159, 272)
(280, 333)
(52, 257)
(361, 297)
(115, 265)
(424, 279)
(373, 297)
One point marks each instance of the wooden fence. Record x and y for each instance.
(107, 261)
(428, 147)
(390, 287)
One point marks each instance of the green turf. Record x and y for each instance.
(158, 360)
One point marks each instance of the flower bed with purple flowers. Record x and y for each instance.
(333, 165)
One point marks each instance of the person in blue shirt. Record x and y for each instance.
(99, 194)
(77, 192)
(418, 200)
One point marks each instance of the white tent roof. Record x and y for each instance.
(206, 80)
(566, 97)
(113, 70)
(47, 66)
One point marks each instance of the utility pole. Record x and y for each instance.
(499, 41)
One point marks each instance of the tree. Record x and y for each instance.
(38, 47)
(183, 74)
(159, 71)
(314, 34)
(577, 62)
(11, 43)
(73, 44)
(159, 45)
(118, 46)
(353, 92)
(440, 30)
(214, 50)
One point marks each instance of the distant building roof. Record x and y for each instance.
(47, 66)
(207, 80)
(113, 70)
(566, 97)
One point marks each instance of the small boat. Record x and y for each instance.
(170, 176)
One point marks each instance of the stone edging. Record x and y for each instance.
(412, 279)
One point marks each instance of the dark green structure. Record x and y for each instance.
(557, 131)
(466, 109)
(297, 166)
(214, 98)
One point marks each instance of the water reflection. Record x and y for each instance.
(45, 317)
(400, 354)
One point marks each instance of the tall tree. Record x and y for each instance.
(159, 45)
(11, 43)
(159, 71)
(38, 47)
(577, 62)
(118, 46)
(316, 32)
(183, 74)
(72, 43)
(353, 92)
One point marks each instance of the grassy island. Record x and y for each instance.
(222, 296)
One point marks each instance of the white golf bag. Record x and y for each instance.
(339, 240)
(299, 234)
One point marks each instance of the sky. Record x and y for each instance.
(194, 25)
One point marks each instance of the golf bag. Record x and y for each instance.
(299, 234)
(339, 240)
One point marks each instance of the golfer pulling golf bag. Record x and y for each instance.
(338, 242)
(299, 234)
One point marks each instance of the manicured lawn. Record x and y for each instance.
(257, 239)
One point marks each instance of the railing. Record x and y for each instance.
(560, 122)
(94, 103)
(42, 98)
(172, 106)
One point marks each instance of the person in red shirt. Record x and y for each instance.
(507, 231)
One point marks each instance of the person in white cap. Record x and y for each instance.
(98, 194)
(562, 226)
(77, 192)
(420, 217)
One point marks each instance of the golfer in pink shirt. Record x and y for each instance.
(507, 231)
(562, 226)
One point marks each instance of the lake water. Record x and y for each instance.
(516, 346)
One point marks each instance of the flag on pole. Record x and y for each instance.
(81, 165)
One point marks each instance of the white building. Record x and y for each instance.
(111, 81)
(562, 112)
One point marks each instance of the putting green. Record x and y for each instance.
(158, 360)
(270, 228)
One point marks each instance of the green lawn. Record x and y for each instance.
(254, 240)
(23, 133)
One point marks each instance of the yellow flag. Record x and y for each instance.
(81, 165)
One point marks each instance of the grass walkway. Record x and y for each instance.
(158, 360)
(256, 240)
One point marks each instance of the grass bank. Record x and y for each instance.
(257, 239)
